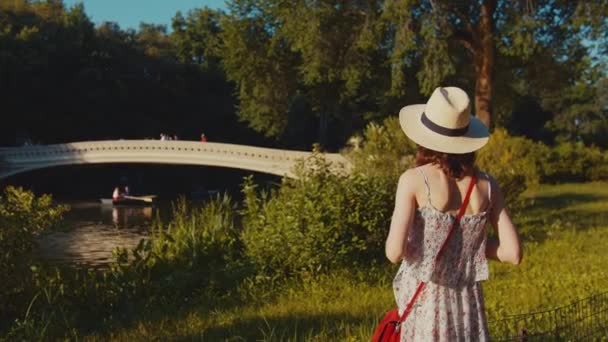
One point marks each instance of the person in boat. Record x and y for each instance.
(116, 194)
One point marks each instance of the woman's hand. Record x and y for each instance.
(507, 248)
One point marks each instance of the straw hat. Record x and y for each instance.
(444, 123)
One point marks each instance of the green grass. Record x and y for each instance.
(564, 229)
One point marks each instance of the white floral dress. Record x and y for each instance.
(451, 306)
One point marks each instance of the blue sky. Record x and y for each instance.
(129, 13)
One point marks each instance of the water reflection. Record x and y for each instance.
(125, 216)
(95, 230)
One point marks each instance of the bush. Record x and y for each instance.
(197, 250)
(574, 162)
(318, 222)
(194, 233)
(23, 216)
(515, 162)
(196, 254)
(386, 151)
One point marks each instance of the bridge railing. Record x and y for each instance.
(149, 145)
(261, 159)
(583, 320)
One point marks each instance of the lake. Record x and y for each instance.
(93, 231)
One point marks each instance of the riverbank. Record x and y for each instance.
(564, 229)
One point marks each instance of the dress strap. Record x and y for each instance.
(489, 187)
(487, 177)
(426, 182)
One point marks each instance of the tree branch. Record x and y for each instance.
(466, 39)
(466, 23)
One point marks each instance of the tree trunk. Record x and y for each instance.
(484, 63)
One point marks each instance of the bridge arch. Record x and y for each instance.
(15, 160)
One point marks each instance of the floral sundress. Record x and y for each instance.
(451, 306)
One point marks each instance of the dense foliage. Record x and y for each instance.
(309, 251)
(194, 256)
(350, 62)
(199, 248)
(23, 217)
(320, 222)
(574, 162)
(564, 261)
(382, 150)
(312, 71)
(63, 80)
(518, 163)
(324, 232)
(515, 162)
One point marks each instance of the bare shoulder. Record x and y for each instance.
(410, 176)
(408, 181)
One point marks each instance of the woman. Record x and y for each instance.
(450, 306)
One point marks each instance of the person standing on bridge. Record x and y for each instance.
(203, 138)
(443, 250)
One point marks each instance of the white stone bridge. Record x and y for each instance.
(15, 160)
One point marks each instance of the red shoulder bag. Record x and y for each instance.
(389, 329)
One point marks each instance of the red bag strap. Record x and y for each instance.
(463, 208)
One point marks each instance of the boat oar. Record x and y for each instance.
(140, 198)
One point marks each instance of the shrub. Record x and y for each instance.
(386, 151)
(194, 233)
(515, 162)
(569, 162)
(198, 248)
(196, 254)
(23, 216)
(320, 221)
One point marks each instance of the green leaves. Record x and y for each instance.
(515, 162)
(319, 222)
(23, 217)
(262, 68)
(197, 37)
(321, 52)
(385, 151)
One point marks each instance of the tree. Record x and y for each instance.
(280, 52)
(153, 39)
(62, 80)
(196, 37)
(584, 112)
(337, 47)
(261, 65)
(489, 34)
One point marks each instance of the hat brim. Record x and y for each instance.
(475, 138)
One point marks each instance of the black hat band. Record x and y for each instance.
(450, 132)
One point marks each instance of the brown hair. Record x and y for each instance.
(454, 165)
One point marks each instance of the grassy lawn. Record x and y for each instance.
(564, 229)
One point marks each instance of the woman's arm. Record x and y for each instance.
(507, 248)
(403, 214)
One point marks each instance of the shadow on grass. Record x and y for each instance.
(294, 327)
(563, 200)
(550, 213)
